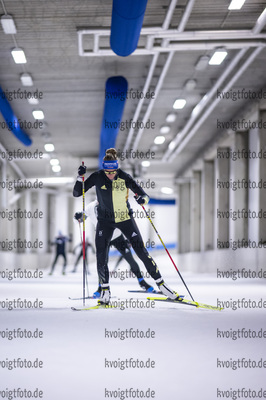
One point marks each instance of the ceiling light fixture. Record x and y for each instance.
(218, 57)
(56, 168)
(38, 114)
(236, 4)
(33, 101)
(167, 190)
(164, 129)
(159, 140)
(171, 117)
(54, 161)
(49, 147)
(18, 56)
(26, 79)
(171, 145)
(179, 104)
(8, 25)
(146, 163)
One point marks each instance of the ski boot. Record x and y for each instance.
(144, 285)
(166, 290)
(105, 295)
(97, 294)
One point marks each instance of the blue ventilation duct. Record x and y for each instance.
(161, 202)
(127, 20)
(12, 121)
(115, 98)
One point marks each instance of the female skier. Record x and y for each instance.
(112, 187)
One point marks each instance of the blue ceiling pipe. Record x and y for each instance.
(115, 98)
(12, 121)
(162, 202)
(127, 20)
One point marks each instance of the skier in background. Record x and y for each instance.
(60, 242)
(80, 254)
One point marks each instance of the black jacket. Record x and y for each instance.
(112, 195)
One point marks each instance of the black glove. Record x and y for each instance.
(82, 170)
(79, 216)
(140, 199)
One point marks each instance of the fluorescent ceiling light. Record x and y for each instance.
(33, 101)
(38, 114)
(218, 57)
(49, 147)
(26, 79)
(171, 117)
(164, 129)
(54, 161)
(8, 25)
(18, 56)
(159, 140)
(179, 104)
(236, 4)
(167, 190)
(56, 168)
(171, 145)
(145, 163)
(202, 63)
(46, 156)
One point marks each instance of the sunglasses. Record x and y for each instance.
(110, 172)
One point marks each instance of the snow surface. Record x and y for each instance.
(185, 348)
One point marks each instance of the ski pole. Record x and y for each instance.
(147, 215)
(84, 251)
(85, 259)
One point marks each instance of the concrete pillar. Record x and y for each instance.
(184, 224)
(195, 211)
(42, 223)
(222, 181)
(3, 192)
(257, 173)
(207, 206)
(28, 231)
(238, 222)
(262, 176)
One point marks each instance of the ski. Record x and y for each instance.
(187, 302)
(81, 298)
(97, 307)
(145, 291)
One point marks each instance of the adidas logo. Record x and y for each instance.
(134, 234)
(104, 187)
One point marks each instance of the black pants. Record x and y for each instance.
(122, 246)
(104, 232)
(79, 257)
(55, 260)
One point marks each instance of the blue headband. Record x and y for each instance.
(112, 165)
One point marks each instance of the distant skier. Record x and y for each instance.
(80, 254)
(60, 242)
